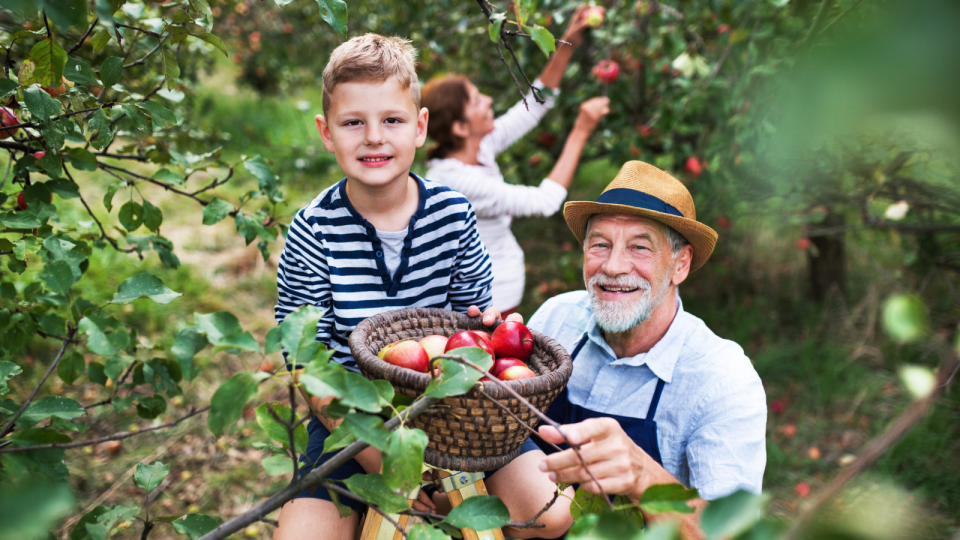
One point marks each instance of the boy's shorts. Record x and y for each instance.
(314, 457)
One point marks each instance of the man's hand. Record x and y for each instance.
(491, 315)
(619, 465)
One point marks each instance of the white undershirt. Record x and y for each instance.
(497, 202)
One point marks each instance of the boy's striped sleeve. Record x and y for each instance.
(303, 277)
(472, 280)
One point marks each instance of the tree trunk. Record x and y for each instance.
(828, 261)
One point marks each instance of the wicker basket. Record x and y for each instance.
(468, 432)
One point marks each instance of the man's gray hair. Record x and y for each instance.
(677, 240)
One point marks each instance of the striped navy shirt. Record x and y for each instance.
(334, 260)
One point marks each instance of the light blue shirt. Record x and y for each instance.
(711, 420)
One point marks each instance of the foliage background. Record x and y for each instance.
(802, 112)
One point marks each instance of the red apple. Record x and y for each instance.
(503, 363)
(593, 16)
(546, 139)
(516, 372)
(408, 354)
(534, 160)
(723, 222)
(481, 333)
(21, 201)
(723, 28)
(803, 244)
(39, 155)
(56, 91)
(802, 489)
(434, 345)
(8, 118)
(386, 349)
(469, 338)
(693, 166)
(513, 339)
(606, 71)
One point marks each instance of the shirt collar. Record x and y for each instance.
(662, 358)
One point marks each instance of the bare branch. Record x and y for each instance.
(84, 38)
(103, 232)
(138, 29)
(143, 60)
(164, 185)
(115, 437)
(71, 331)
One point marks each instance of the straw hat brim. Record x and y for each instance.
(701, 237)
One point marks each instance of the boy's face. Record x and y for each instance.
(374, 128)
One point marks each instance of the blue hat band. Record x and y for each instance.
(637, 199)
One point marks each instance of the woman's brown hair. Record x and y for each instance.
(446, 98)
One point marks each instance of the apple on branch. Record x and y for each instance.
(8, 118)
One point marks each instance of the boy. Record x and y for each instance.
(382, 239)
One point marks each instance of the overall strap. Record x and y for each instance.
(656, 400)
(583, 341)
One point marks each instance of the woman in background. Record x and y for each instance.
(468, 139)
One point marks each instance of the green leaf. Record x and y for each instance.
(544, 39)
(7, 87)
(8, 370)
(904, 318)
(458, 378)
(162, 116)
(95, 373)
(32, 436)
(403, 458)
(195, 525)
(110, 71)
(731, 515)
(268, 181)
(131, 215)
(99, 39)
(372, 488)
(116, 365)
(216, 211)
(386, 391)
(140, 120)
(188, 343)
(52, 324)
(20, 220)
(148, 477)
(661, 498)
(105, 335)
(170, 68)
(121, 404)
(48, 406)
(213, 40)
(277, 465)
(272, 342)
(48, 60)
(608, 525)
(299, 335)
(71, 366)
(224, 331)
(111, 192)
(100, 530)
(82, 160)
(152, 216)
(339, 438)
(422, 531)
(496, 24)
(151, 407)
(227, 403)
(79, 72)
(141, 285)
(919, 380)
(166, 175)
(334, 12)
(100, 124)
(585, 503)
(343, 510)
(277, 431)
(40, 104)
(354, 389)
(369, 429)
(31, 510)
(58, 276)
(67, 13)
(479, 513)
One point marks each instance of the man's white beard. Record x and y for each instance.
(620, 317)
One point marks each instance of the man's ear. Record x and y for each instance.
(460, 129)
(682, 265)
(422, 120)
(324, 130)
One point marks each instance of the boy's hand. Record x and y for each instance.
(491, 315)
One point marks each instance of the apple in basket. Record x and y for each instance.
(514, 340)
(516, 372)
(469, 338)
(434, 345)
(503, 363)
(407, 354)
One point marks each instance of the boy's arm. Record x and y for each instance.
(471, 282)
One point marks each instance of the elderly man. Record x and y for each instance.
(655, 396)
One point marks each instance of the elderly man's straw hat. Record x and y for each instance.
(640, 189)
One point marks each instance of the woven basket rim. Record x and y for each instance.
(370, 363)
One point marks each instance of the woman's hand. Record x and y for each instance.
(574, 32)
(591, 111)
(491, 315)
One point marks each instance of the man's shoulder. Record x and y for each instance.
(718, 363)
(567, 312)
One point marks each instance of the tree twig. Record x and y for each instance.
(84, 38)
(71, 331)
(115, 437)
(878, 446)
(103, 232)
(349, 494)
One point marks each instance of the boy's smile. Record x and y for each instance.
(374, 129)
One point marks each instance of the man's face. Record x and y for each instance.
(628, 267)
(375, 129)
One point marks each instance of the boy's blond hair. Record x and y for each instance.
(372, 57)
